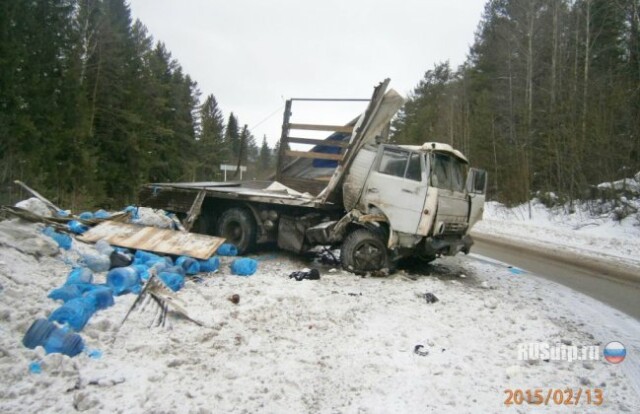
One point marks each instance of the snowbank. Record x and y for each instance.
(581, 232)
(339, 344)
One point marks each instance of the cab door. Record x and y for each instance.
(476, 189)
(448, 174)
(397, 186)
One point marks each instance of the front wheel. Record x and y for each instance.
(364, 250)
(238, 226)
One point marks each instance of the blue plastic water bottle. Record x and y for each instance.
(76, 227)
(38, 333)
(227, 249)
(79, 275)
(76, 313)
(67, 343)
(123, 279)
(101, 214)
(63, 240)
(174, 281)
(210, 265)
(244, 266)
(102, 296)
(86, 215)
(190, 265)
(54, 340)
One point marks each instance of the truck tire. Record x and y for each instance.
(238, 226)
(364, 250)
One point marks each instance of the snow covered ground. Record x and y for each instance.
(582, 232)
(339, 344)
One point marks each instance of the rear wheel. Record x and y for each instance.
(238, 226)
(364, 250)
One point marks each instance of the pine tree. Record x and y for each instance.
(211, 141)
(265, 158)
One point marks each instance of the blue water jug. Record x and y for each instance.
(123, 279)
(101, 214)
(76, 227)
(38, 333)
(102, 296)
(63, 240)
(86, 215)
(244, 267)
(190, 265)
(174, 281)
(210, 265)
(79, 275)
(227, 249)
(65, 293)
(67, 343)
(97, 262)
(76, 313)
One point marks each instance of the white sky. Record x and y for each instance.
(252, 54)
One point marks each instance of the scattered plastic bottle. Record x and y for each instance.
(123, 279)
(210, 265)
(103, 247)
(65, 293)
(172, 280)
(79, 275)
(61, 342)
(86, 215)
(176, 269)
(38, 333)
(227, 249)
(54, 340)
(101, 296)
(76, 227)
(244, 267)
(97, 262)
(190, 265)
(76, 313)
(63, 240)
(101, 214)
(133, 212)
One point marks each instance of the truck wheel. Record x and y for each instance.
(238, 226)
(364, 250)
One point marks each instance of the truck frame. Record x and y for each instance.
(376, 201)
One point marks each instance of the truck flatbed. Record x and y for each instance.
(179, 197)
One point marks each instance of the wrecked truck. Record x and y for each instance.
(375, 201)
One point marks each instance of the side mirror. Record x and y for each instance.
(476, 181)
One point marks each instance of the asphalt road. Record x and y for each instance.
(621, 295)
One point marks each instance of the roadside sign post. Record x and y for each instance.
(229, 167)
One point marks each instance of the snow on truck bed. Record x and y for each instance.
(339, 344)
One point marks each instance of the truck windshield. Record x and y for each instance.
(448, 172)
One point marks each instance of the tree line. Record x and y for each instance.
(91, 107)
(548, 99)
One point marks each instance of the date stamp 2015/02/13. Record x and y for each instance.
(554, 396)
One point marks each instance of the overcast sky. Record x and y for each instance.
(254, 54)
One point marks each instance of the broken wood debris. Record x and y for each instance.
(153, 239)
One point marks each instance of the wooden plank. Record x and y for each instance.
(320, 142)
(154, 239)
(194, 211)
(315, 127)
(314, 155)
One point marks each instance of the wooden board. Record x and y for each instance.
(314, 155)
(313, 127)
(154, 239)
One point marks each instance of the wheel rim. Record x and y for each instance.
(233, 231)
(368, 255)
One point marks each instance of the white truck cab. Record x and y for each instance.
(428, 196)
